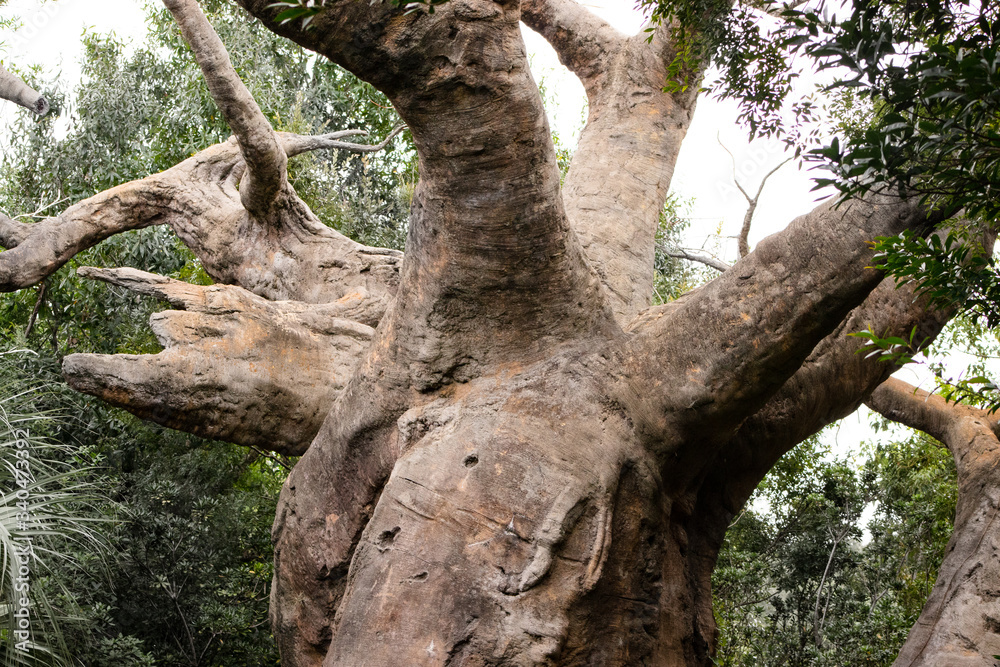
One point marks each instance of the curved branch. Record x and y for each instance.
(583, 41)
(959, 623)
(38, 250)
(296, 144)
(908, 405)
(632, 138)
(17, 91)
(266, 175)
(745, 333)
(199, 200)
(236, 367)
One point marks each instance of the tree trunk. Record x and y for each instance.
(522, 463)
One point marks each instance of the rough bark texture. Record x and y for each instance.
(285, 361)
(521, 464)
(960, 625)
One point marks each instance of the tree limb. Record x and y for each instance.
(633, 135)
(295, 144)
(583, 41)
(487, 209)
(746, 332)
(743, 244)
(236, 367)
(37, 250)
(958, 625)
(266, 176)
(199, 200)
(707, 260)
(17, 91)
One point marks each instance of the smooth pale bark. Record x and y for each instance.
(507, 476)
(960, 625)
(17, 91)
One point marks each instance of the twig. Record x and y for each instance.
(34, 311)
(681, 253)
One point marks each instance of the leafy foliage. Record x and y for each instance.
(804, 579)
(49, 526)
(674, 277)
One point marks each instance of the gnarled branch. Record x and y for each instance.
(236, 367)
(958, 625)
(199, 200)
(632, 137)
(266, 176)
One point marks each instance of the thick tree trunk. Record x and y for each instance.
(521, 464)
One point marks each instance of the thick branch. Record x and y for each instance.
(633, 135)
(960, 624)
(38, 250)
(292, 256)
(236, 367)
(17, 91)
(266, 162)
(745, 333)
(918, 409)
(583, 42)
(489, 243)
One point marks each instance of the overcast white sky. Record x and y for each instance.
(51, 32)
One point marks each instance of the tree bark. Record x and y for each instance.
(17, 91)
(522, 463)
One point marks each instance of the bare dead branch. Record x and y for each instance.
(707, 260)
(266, 174)
(17, 91)
(295, 144)
(743, 244)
